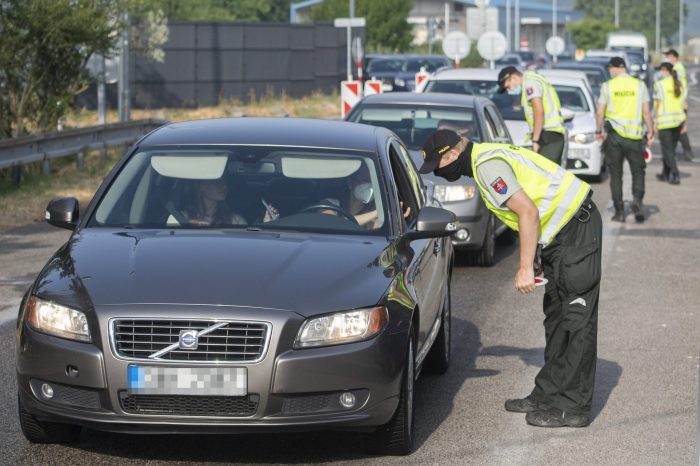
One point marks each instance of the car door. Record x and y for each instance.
(430, 275)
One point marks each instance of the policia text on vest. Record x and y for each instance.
(551, 207)
(622, 106)
(542, 109)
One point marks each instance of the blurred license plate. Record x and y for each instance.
(154, 380)
(579, 153)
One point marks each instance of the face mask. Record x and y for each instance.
(363, 192)
(458, 168)
(515, 91)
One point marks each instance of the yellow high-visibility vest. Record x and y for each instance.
(557, 193)
(624, 105)
(553, 120)
(679, 68)
(670, 107)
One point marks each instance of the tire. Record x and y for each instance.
(508, 237)
(45, 432)
(396, 436)
(486, 256)
(438, 360)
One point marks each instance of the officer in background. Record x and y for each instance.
(540, 103)
(623, 102)
(679, 68)
(669, 100)
(552, 208)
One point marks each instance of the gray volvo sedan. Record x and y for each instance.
(238, 275)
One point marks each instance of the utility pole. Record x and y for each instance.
(101, 97)
(447, 18)
(124, 97)
(554, 18)
(617, 13)
(681, 20)
(517, 24)
(352, 15)
(658, 27)
(509, 38)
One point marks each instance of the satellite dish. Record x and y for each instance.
(456, 45)
(492, 45)
(555, 46)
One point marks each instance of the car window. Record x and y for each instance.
(246, 187)
(572, 98)
(385, 65)
(430, 64)
(508, 105)
(495, 123)
(414, 123)
(414, 178)
(407, 197)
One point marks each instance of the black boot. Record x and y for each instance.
(555, 417)
(525, 405)
(661, 177)
(619, 213)
(638, 210)
(674, 179)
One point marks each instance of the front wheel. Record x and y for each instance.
(45, 432)
(486, 256)
(396, 436)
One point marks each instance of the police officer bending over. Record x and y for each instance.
(623, 102)
(548, 206)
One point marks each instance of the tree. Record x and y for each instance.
(635, 15)
(386, 29)
(218, 10)
(590, 33)
(44, 47)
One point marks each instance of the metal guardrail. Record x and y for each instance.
(44, 147)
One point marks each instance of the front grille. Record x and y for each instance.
(233, 342)
(188, 405)
(306, 403)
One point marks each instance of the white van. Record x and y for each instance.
(628, 41)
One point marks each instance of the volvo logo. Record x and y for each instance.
(188, 340)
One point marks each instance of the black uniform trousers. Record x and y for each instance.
(617, 149)
(572, 266)
(552, 146)
(669, 140)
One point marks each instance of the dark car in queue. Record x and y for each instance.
(413, 117)
(284, 307)
(398, 72)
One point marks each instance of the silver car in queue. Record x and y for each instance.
(413, 116)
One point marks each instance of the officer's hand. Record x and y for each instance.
(536, 147)
(650, 139)
(684, 128)
(601, 138)
(525, 280)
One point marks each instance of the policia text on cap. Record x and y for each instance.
(550, 206)
(542, 110)
(623, 103)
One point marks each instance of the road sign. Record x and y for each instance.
(349, 96)
(555, 46)
(420, 77)
(349, 22)
(373, 86)
(492, 45)
(358, 52)
(456, 46)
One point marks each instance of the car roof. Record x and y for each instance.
(299, 132)
(466, 73)
(563, 74)
(590, 65)
(428, 98)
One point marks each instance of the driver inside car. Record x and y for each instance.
(357, 199)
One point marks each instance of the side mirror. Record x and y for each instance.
(433, 222)
(62, 212)
(567, 114)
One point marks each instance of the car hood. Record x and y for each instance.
(519, 130)
(306, 273)
(583, 122)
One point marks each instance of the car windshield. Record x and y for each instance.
(527, 56)
(385, 65)
(508, 105)
(253, 187)
(512, 60)
(595, 76)
(413, 124)
(572, 97)
(430, 64)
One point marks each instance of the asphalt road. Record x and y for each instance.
(645, 402)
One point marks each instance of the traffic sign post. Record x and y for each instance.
(349, 23)
(349, 96)
(555, 46)
(456, 46)
(358, 54)
(492, 46)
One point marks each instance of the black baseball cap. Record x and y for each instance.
(438, 144)
(503, 75)
(667, 65)
(617, 62)
(671, 52)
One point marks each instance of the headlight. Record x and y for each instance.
(582, 138)
(342, 327)
(57, 320)
(399, 82)
(454, 193)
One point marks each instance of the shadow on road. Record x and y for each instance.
(607, 372)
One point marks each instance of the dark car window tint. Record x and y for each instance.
(430, 64)
(413, 176)
(499, 130)
(508, 105)
(407, 197)
(384, 66)
(414, 123)
(247, 187)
